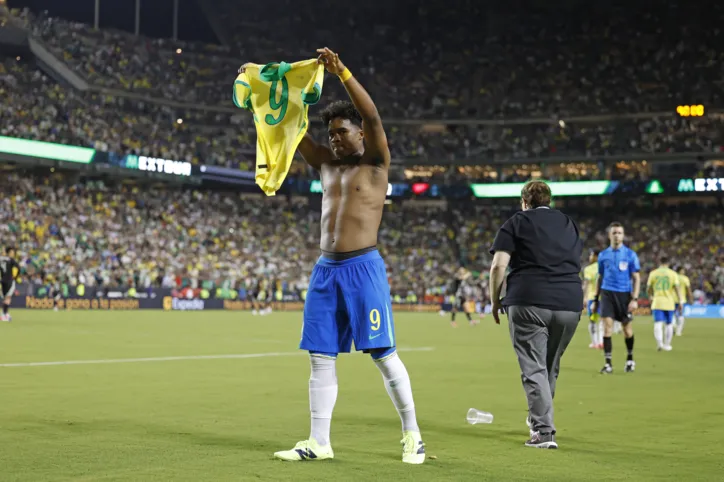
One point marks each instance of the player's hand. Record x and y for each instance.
(632, 306)
(497, 307)
(331, 61)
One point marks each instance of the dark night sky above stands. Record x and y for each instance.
(156, 15)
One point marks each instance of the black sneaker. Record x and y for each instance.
(607, 369)
(542, 441)
(630, 366)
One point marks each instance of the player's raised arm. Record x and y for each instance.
(375, 138)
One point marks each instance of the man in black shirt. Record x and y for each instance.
(9, 270)
(544, 298)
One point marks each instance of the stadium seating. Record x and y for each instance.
(553, 66)
(487, 82)
(116, 235)
(41, 109)
(455, 91)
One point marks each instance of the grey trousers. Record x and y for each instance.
(539, 338)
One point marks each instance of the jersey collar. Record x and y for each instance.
(274, 71)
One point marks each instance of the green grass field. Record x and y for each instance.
(221, 419)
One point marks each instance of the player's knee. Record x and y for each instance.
(380, 353)
(322, 354)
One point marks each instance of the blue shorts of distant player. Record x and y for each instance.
(589, 307)
(347, 301)
(665, 316)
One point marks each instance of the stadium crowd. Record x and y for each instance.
(532, 75)
(122, 236)
(41, 109)
(691, 235)
(549, 65)
(632, 75)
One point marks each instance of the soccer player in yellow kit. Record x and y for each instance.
(663, 288)
(687, 297)
(590, 276)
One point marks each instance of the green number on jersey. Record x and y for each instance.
(281, 104)
(662, 284)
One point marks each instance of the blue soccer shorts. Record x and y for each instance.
(663, 316)
(348, 301)
(589, 307)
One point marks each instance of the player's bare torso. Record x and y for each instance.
(352, 202)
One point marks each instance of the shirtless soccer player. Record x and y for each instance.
(349, 297)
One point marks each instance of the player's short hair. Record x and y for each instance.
(664, 259)
(341, 109)
(614, 224)
(8, 249)
(536, 194)
(594, 252)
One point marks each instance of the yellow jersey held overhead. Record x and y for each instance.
(664, 283)
(279, 96)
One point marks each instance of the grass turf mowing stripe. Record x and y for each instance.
(177, 358)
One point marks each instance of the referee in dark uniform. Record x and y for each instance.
(544, 298)
(618, 265)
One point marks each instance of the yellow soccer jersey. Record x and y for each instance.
(685, 284)
(665, 284)
(590, 274)
(279, 96)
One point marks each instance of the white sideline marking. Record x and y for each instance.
(176, 358)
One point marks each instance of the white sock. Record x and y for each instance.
(669, 333)
(397, 383)
(680, 324)
(322, 396)
(592, 331)
(659, 334)
(600, 333)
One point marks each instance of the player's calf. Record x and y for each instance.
(680, 321)
(593, 332)
(323, 390)
(6, 308)
(399, 388)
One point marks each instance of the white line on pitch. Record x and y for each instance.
(176, 358)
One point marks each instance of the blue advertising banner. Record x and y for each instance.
(704, 311)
